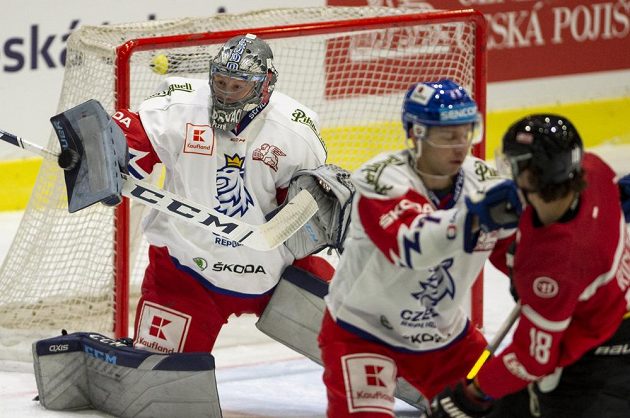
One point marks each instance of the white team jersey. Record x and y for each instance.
(236, 174)
(404, 274)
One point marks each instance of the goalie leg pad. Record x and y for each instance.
(88, 370)
(294, 316)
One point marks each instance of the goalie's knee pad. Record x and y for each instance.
(88, 370)
(294, 314)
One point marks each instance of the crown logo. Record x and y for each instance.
(234, 161)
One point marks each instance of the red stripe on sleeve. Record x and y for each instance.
(142, 154)
(382, 218)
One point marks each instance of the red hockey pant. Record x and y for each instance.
(360, 375)
(177, 314)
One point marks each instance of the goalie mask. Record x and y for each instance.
(437, 104)
(242, 78)
(549, 143)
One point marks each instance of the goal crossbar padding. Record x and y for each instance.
(294, 316)
(91, 371)
(89, 131)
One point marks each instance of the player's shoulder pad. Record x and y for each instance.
(295, 117)
(178, 90)
(384, 176)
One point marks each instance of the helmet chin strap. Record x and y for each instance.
(524, 193)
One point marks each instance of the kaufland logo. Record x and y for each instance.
(199, 139)
(370, 380)
(157, 325)
(162, 329)
(198, 135)
(372, 377)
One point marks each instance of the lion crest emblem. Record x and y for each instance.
(233, 197)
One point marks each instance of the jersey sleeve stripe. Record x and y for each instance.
(541, 322)
(603, 279)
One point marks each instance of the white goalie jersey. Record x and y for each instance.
(241, 175)
(409, 262)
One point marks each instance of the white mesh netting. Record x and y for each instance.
(59, 271)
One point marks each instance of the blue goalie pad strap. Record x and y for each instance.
(116, 352)
(305, 280)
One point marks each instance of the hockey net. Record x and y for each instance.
(350, 64)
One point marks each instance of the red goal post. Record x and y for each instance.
(349, 64)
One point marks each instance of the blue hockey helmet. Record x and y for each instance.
(440, 103)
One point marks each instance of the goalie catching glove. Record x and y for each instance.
(331, 187)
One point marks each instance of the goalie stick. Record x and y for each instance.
(262, 237)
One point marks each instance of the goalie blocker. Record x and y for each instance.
(93, 154)
(90, 371)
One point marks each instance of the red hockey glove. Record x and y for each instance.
(459, 402)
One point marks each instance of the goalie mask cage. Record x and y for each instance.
(351, 65)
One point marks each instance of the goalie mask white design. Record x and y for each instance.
(242, 78)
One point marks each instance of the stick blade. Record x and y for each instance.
(285, 223)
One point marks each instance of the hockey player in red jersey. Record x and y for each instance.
(572, 273)
(232, 144)
(395, 304)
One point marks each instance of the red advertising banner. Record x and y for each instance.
(379, 62)
(541, 38)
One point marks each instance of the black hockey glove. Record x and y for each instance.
(498, 207)
(624, 188)
(456, 402)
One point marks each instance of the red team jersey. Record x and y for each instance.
(572, 279)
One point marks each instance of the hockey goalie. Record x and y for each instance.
(234, 146)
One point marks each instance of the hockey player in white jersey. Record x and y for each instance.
(232, 144)
(424, 221)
